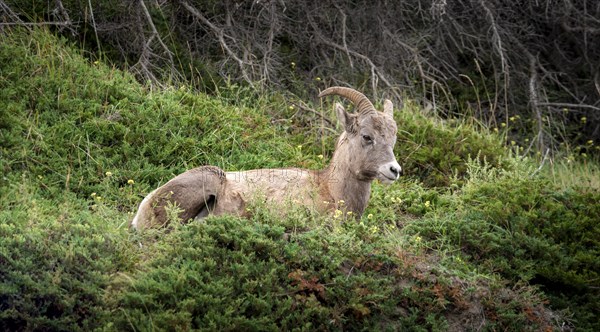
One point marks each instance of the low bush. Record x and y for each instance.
(228, 273)
(57, 257)
(437, 151)
(520, 225)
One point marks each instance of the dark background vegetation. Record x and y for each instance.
(532, 66)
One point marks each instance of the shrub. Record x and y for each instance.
(56, 259)
(523, 227)
(437, 151)
(230, 274)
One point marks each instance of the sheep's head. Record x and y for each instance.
(369, 137)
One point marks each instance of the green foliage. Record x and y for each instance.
(221, 275)
(568, 172)
(230, 274)
(56, 259)
(72, 122)
(437, 152)
(80, 142)
(523, 227)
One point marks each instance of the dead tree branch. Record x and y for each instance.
(535, 101)
(144, 62)
(10, 13)
(221, 37)
(376, 73)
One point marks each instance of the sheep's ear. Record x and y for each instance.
(346, 119)
(388, 107)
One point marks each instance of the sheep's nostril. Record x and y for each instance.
(395, 171)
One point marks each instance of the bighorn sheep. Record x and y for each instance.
(364, 152)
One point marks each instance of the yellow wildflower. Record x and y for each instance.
(337, 214)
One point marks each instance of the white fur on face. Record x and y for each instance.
(389, 172)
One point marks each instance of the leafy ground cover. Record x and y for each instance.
(474, 237)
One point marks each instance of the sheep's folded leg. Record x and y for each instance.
(194, 192)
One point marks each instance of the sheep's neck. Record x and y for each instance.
(339, 183)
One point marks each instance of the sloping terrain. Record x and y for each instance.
(472, 238)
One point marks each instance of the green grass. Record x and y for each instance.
(470, 238)
(569, 173)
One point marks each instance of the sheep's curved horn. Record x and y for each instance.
(362, 103)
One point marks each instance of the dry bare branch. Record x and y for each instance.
(221, 37)
(11, 15)
(534, 101)
(568, 105)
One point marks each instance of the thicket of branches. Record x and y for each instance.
(539, 60)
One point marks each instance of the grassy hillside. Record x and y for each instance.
(472, 237)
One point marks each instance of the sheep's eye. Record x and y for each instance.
(367, 139)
